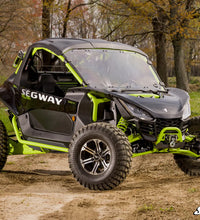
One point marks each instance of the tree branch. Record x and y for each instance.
(115, 28)
(70, 10)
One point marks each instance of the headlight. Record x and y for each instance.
(186, 110)
(139, 113)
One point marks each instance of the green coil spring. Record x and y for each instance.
(122, 124)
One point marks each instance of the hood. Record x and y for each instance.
(169, 105)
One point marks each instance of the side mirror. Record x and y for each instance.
(18, 59)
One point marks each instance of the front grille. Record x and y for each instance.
(152, 129)
(163, 123)
(147, 128)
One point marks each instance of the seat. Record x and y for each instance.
(29, 79)
(47, 84)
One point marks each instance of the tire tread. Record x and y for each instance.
(3, 145)
(123, 150)
(189, 165)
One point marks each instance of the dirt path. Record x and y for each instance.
(42, 187)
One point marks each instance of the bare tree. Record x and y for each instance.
(7, 16)
(46, 16)
(71, 8)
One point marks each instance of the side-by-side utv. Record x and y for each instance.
(102, 102)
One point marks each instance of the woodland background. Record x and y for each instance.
(167, 30)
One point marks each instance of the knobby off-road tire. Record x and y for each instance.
(190, 165)
(3, 145)
(100, 156)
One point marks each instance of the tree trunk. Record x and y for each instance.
(160, 46)
(178, 23)
(66, 19)
(46, 14)
(46, 32)
(179, 63)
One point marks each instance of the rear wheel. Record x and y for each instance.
(3, 145)
(100, 156)
(190, 165)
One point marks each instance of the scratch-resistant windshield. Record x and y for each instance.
(114, 69)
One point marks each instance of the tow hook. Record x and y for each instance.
(172, 140)
(170, 137)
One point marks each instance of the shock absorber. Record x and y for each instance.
(123, 124)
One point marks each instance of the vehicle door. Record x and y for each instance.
(45, 111)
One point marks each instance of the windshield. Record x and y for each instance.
(114, 69)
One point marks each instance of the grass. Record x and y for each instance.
(194, 93)
(192, 190)
(169, 209)
(195, 103)
(146, 208)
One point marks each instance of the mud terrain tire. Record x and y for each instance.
(3, 145)
(190, 165)
(100, 156)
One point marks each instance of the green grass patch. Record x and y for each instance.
(192, 190)
(169, 209)
(195, 103)
(10, 163)
(146, 208)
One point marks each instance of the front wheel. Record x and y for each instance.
(100, 156)
(190, 165)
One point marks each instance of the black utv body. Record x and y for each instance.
(101, 101)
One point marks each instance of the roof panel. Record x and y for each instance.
(61, 45)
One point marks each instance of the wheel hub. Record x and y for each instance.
(95, 156)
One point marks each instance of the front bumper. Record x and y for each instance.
(150, 130)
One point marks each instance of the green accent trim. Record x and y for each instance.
(75, 74)
(184, 152)
(145, 95)
(18, 66)
(62, 59)
(18, 61)
(15, 61)
(43, 48)
(189, 138)
(96, 102)
(177, 131)
(122, 124)
(71, 102)
(144, 153)
(16, 148)
(31, 143)
(161, 137)
(133, 138)
(25, 97)
(168, 150)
